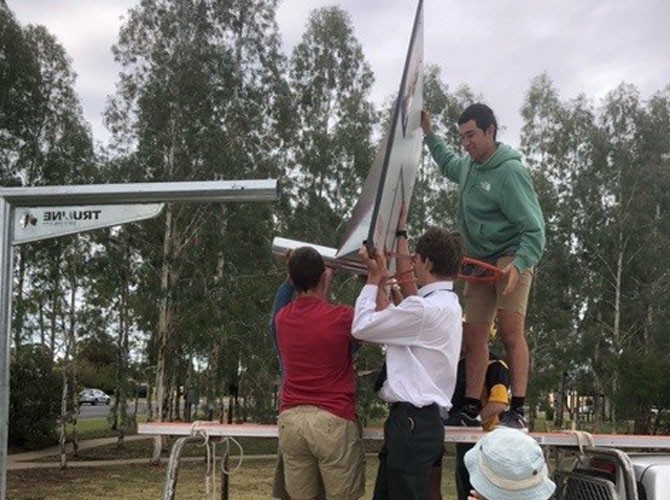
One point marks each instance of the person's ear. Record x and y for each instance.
(325, 280)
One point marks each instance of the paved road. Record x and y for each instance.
(89, 411)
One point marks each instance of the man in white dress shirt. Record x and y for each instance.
(423, 337)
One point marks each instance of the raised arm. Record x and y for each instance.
(449, 163)
(403, 266)
(381, 322)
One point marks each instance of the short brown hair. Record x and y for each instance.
(305, 267)
(444, 249)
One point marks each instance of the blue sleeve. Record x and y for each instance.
(284, 295)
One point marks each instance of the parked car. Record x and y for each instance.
(93, 396)
(141, 390)
(611, 474)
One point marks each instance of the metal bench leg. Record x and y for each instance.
(173, 464)
(224, 475)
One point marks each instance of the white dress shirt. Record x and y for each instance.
(423, 337)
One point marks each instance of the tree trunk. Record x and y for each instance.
(62, 436)
(177, 401)
(72, 344)
(558, 418)
(123, 352)
(41, 322)
(597, 403)
(75, 413)
(616, 327)
(19, 300)
(150, 400)
(165, 319)
(212, 382)
(642, 417)
(55, 308)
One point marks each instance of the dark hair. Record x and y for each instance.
(444, 249)
(482, 115)
(305, 267)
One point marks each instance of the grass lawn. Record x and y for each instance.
(144, 449)
(93, 428)
(252, 481)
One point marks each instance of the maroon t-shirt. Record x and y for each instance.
(313, 337)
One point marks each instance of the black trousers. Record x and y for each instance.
(413, 441)
(463, 485)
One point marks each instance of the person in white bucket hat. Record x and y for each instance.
(507, 464)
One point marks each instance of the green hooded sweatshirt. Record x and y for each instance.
(498, 212)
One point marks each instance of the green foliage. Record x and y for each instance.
(201, 98)
(44, 141)
(34, 398)
(98, 350)
(96, 376)
(330, 82)
(204, 93)
(601, 174)
(20, 96)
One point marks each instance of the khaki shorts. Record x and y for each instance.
(482, 300)
(317, 445)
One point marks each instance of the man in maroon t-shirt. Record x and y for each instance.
(318, 435)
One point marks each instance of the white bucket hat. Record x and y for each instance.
(507, 464)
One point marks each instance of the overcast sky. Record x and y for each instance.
(495, 46)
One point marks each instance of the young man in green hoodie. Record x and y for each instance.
(502, 224)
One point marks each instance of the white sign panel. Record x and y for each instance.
(391, 178)
(39, 223)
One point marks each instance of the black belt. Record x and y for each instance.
(402, 404)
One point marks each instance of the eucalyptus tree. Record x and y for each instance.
(55, 147)
(557, 143)
(58, 150)
(20, 99)
(619, 197)
(112, 292)
(609, 231)
(332, 151)
(20, 96)
(258, 127)
(646, 276)
(601, 177)
(199, 97)
(44, 138)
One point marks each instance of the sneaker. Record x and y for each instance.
(462, 419)
(513, 419)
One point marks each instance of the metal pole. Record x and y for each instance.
(225, 480)
(100, 194)
(147, 192)
(6, 253)
(173, 465)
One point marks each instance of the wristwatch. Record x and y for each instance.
(401, 233)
